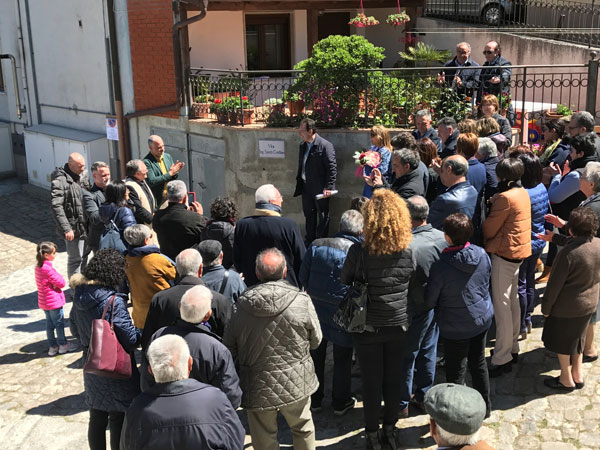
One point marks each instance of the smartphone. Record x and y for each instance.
(191, 197)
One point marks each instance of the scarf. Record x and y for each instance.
(265, 206)
(548, 152)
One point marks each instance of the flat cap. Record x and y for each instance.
(457, 409)
(210, 250)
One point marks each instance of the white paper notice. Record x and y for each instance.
(270, 148)
(112, 131)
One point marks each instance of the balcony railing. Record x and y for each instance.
(565, 20)
(386, 96)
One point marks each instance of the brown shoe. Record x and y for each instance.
(545, 275)
(539, 265)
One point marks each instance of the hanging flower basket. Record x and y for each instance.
(361, 21)
(397, 19)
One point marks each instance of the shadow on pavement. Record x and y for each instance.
(11, 306)
(66, 406)
(31, 327)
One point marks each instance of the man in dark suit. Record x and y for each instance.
(464, 80)
(494, 77)
(317, 170)
(161, 168)
(267, 229)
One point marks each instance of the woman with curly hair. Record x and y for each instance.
(384, 263)
(107, 398)
(223, 213)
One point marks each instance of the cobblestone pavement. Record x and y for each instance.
(42, 403)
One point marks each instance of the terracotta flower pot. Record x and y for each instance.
(296, 107)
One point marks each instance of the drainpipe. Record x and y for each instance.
(32, 57)
(124, 151)
(177, 27)
(16, 81)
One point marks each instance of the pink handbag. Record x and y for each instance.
(106, 356)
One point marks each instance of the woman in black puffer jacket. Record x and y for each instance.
(384, 262)
(223, 213)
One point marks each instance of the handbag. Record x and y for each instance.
(351, 315)
(106, 356)
(111, 236)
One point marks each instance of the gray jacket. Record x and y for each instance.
(67, 202)
(427, 245)
(270, 335)
(92, 200)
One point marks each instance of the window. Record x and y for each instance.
(268, 42)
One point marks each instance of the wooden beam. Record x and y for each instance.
(312, 29)
(271, 5)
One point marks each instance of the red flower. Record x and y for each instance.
(244, 98)
(218, 100)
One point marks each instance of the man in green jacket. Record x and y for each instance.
(161, 168)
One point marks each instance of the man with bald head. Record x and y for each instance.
(495, 77)
(161, 168)
(66, 191)
(457, 75)
(272, 329)
(459, 195)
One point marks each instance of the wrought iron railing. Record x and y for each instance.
(565, 20)
(387, 96)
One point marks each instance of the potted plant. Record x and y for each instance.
(294, 103)
(234, 104)
(218, 108)
(398, 19)
(362, 21)
(423, 55)
(560, 112)
(201, 106)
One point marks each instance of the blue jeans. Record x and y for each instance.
(55, 321)
(527, 288)
(419, 357)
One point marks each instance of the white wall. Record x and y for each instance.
(299, 36)
(218, 41)
(384, 35)
(71, 61)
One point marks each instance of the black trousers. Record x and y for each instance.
(470, 353)
(342, 374)
(381, 356)
(97, 429)
(316, 213)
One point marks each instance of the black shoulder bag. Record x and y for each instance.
(351, 315)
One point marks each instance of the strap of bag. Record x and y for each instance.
(113, 221)
(224, 282)
(110, 302)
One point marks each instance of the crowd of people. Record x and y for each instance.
(236, 312)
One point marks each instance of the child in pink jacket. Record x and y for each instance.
(51, 298)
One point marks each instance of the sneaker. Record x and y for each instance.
(347, 407)
(52, 351)
(74, 346)
(62, 349)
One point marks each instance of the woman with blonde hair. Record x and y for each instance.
(490, 107)
(489, 127)
(380, 143)
(384, 263)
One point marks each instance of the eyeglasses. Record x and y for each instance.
(488, 52)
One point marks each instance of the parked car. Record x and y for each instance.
(491, 12)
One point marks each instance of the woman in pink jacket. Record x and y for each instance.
(51, 298)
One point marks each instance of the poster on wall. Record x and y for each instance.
(271, 148)
(112, 130)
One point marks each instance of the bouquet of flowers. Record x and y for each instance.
(398, 19)
(368, 158)
(361, 21)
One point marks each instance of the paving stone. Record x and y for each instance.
(48, 412)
